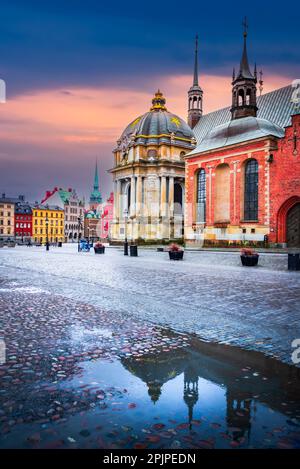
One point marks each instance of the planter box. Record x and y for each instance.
(250, 261)
(133, 249)
(293, 261)
(100, 250)
(176, 255)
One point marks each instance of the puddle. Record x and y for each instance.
(197, 396)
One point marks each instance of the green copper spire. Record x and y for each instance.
(95, 197)
(96, 179)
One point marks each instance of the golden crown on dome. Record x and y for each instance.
(158, 102)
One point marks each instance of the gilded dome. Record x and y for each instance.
(158, 126)
(238, 131)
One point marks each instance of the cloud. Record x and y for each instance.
(53, 136)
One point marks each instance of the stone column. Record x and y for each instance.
(118, 196)
(132, 197)
(139, 183)
(163, 196)
(171, 195)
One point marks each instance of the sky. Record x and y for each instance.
(77, 72)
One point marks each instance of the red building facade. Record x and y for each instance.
(285, 188)
(242, 183)
(107, 217)
(23, 222)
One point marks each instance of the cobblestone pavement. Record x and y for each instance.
(208, 293)
(77, 376)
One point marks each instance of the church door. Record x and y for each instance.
(293, 227)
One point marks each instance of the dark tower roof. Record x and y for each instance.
(244, 65)
(244, 86)
(96, 196)
(196, 83)
(195, 94)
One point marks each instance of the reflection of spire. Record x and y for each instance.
(238, 414)
(190, 391)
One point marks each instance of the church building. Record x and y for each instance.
(242, 181)
(148, 175)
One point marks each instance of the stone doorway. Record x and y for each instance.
(293, 227)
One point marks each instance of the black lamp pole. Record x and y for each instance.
(78, 238)
(47, 233)
(125, 241)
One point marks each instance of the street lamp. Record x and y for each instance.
(47, 233)
(78, 237)
(126, 242)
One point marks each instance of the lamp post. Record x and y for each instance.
(126, 241)
(47, 233)
(78, 237)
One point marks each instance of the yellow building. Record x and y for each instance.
(47, 223)
(7, 218)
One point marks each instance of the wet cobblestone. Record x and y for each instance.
(208, 294)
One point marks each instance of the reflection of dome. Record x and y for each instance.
(158, 126)
(238, 130)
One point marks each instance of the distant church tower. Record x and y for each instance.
(244, 86)
(95, 197)
(195, 95)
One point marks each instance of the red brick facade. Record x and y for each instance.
(285, 181)
(278, 188)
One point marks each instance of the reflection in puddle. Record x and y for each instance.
(196, 396)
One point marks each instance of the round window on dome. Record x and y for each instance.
(152, 153)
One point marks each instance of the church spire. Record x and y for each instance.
(196, 82)
(244, 86)
(195, 94)
(244, 65)
(96, 178)
(95, 197)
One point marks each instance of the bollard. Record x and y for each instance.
(294, 261)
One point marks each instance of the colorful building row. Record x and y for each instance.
(60, 217)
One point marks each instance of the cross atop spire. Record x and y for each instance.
(196, 82)
(245, 24)
(244, 66)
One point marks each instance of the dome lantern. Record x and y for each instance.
(158, 102)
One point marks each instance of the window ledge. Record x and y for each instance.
(248, 221)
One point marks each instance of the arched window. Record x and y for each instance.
(248, 97)
(251, 191)
(241, 98)
(178, 198)
(201, 196)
